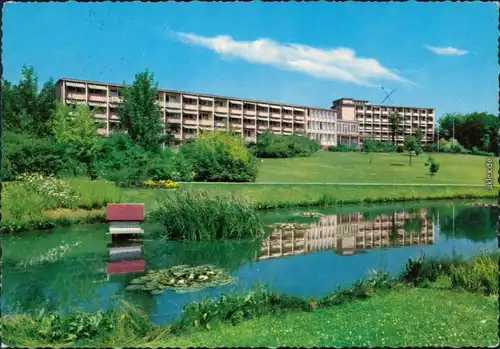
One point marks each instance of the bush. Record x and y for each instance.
(477, 151)
(400, 149)
(197, 215)
(215, 157)
(122, 161)
(343, 148)
(23, 153)
(371, 146)
(270, 145)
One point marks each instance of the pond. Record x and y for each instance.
(311, 256)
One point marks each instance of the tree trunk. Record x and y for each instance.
(410, 159)
(90, 171)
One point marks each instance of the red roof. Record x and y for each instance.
(122, 267)
(125, 212)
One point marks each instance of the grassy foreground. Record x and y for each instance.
(410, 317)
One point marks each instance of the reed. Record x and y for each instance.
(197, 215)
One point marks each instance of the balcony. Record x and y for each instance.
(189, 122)
(249, 126)
(275, 115)
(233, 116)
(262, 127)
(113, 117)
(235, 111)
(288, 129)
(190, 106)
(77, 96)
(97, 98)
(249, 112)
(276, 128)
(114, 99)
(206, 122)
(235, 126)
(206, 107)
(101, 116)
(263, 113)
(221, 110)
(173, 120)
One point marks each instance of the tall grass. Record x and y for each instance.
(197, 215)
(95, 194)
(478, 274)
(124, 327)
(24, 203)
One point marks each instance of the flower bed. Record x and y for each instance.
(161, 184)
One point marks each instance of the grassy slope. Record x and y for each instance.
(414, 317)
(325, 167)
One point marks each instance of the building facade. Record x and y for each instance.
(373, 119)
(188, 114)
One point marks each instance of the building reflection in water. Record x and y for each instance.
(348, 234)
(125, 256)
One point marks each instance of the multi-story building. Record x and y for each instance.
(373, 119)
(188, 114)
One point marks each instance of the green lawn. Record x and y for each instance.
(289, 195)
(414, 317)
(331, 167)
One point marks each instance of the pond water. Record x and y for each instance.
(77, 267)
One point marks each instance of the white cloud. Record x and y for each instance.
(335, 64)
(447, 51)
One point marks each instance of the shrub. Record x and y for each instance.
(196, 215)
(343, 148)
(122, 161)
(400, 149)
(371, 146)
(270, 145)
(23, 153)
(477, 151)
(216, 157)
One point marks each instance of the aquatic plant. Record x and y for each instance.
(198, 215)
(124, 326)
(180, 278)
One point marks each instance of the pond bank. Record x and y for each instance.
(418, 302)
(265, 197)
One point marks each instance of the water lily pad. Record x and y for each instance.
(180, 278)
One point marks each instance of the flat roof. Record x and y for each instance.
(193, 93)
(380, 105)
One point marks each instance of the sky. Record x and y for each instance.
(436, 55)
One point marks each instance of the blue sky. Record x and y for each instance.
(441, 55)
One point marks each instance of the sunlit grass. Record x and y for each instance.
(412, 317)
(349, 167)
